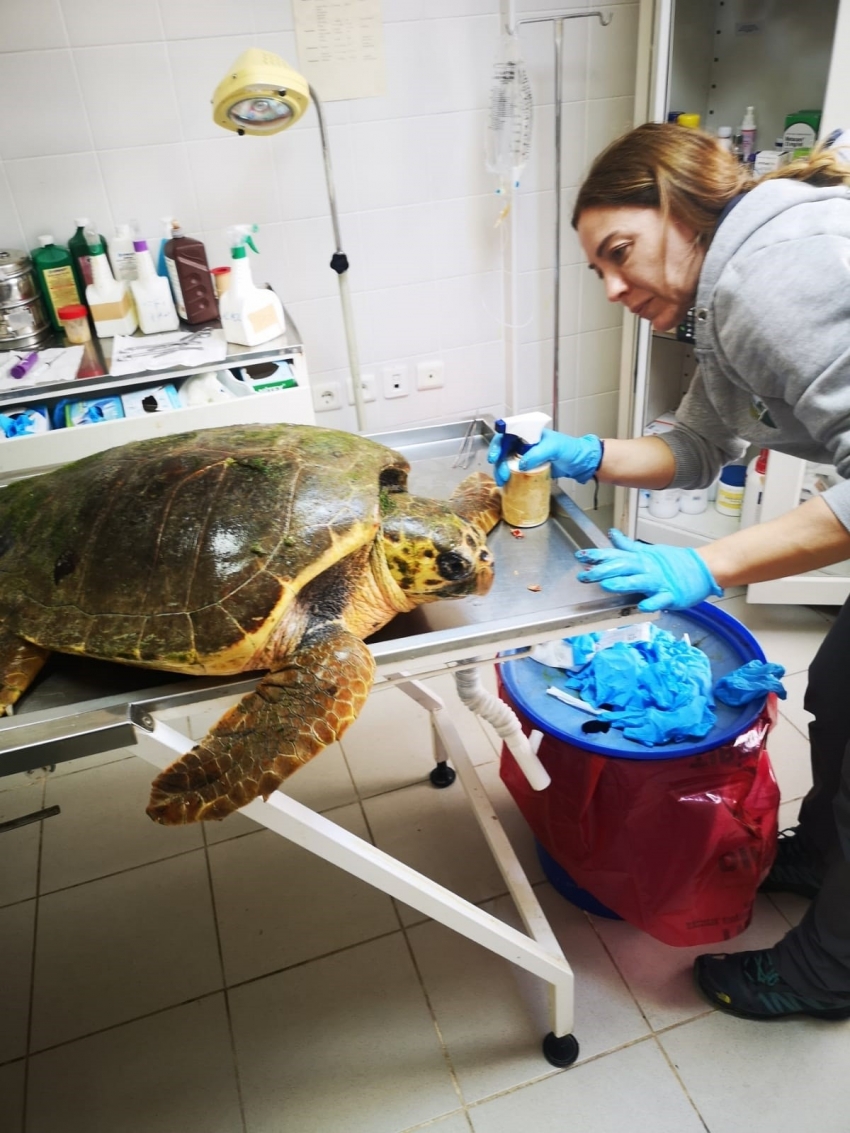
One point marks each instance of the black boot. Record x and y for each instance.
(797, 868)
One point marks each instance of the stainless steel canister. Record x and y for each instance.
(23, 318)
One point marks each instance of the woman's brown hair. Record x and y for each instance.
(685, 174)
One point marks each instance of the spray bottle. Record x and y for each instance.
(109, 299)
(250, 315)
(526, 496)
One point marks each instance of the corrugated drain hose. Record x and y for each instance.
(506, 723)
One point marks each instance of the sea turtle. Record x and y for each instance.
(252, 547)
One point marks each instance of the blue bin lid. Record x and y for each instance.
(725, 641)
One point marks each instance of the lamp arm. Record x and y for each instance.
(339, 263)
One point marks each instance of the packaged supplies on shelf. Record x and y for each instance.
(663, 423)
(24, 421)
(262, 377)
(59, 364)
(93, 411)
(151, 399)
(572, 652)
(816, 479)
(204, 346)
(204, 389)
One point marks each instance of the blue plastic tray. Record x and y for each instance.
(727, 644)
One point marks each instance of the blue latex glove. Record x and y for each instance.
(749, 682)
(673, 578)
(577, 457)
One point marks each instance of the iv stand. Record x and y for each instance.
(557, 18)
(339, 263)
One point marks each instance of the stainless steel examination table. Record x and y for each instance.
(80, 707)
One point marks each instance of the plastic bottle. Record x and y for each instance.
(161, 267)
(754, 489)
(249, 314)
(78, 246)
(748, 134)
(724, 137)
(151, 294)
(189, 274)
(690, 120)
(56, 276)
(121, 253)
(109, 299)
(730, 490)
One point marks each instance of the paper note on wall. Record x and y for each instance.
(341, 47)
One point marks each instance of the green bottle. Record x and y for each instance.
(56, 278)
(78, 246)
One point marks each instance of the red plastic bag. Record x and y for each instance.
(676, 847)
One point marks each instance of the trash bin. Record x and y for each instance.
(674, 839)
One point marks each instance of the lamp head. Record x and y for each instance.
(260, 94)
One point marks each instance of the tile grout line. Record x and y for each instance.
(685, 1090)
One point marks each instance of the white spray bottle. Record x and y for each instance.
(152, 294)
(250, 315)
(526, 496)
(109, 299)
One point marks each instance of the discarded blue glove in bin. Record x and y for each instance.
(749, 682)
(655, 692)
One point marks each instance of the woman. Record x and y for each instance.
(670, 221)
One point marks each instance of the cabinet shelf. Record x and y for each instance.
(686, 530)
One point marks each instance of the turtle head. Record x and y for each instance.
(431, 552)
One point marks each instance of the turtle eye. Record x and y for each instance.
(452, 565)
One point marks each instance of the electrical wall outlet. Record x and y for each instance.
(327, 395)
(396, 381)
(429, 375)
(367, 385)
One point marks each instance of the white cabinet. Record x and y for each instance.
(715, 58)
(26, 455)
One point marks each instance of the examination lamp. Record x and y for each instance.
(262, 94)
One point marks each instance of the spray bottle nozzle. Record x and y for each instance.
(240, 234)
(521, 432)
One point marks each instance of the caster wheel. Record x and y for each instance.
(561, 1051)
(442, 775)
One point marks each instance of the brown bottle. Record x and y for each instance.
(189, 274)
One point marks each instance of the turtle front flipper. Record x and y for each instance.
(20, 664)
(478, 500)
(295, 711)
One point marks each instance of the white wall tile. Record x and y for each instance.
(535, 231)
(234, 184)
(404, 320)
(392, 161)
(319, 322)
(30, 25)
(50, 118)
(466, 242)
(50, 191)
(271, 15)
(599, 361)
(128, 95)
(612, 55)
(474, 377)
(11, 232)
(456, 165)
(538, 47)
(596, 311)
(395, 10)
(539, 172)
(597, 415)
(536, 303)
(300, 170)
(197, 67)
(94, 22)
(186, 19)
(470, 310)
(536, 369)
(397, 247)
(149, 183)
(607, 119)
(306, 250)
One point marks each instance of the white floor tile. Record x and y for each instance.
(792, 708)
(789, 635)
(634, 1089)
(456, 1123)
(790, 905)
(12, 1097)
(788, 812)
(788, 749)
(514, 824)
(480, 740)
(324, 783)
(103, 828)
(19, 858)
(435, 832)
(786, 1076)
(279, 905)
(389, 745)
(72, 766)
(124, 946)
(17, 925)
(493, 1015)
(343, 1043)
(660, 977)
(172, 1071)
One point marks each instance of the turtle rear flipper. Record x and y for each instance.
(478, 500)
(20, 664)
(295, 711)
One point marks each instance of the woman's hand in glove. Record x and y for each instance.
(673, 578)
(576, 457)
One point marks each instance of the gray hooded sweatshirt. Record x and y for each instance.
(772, 338)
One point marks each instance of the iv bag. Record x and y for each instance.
(508, 137)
